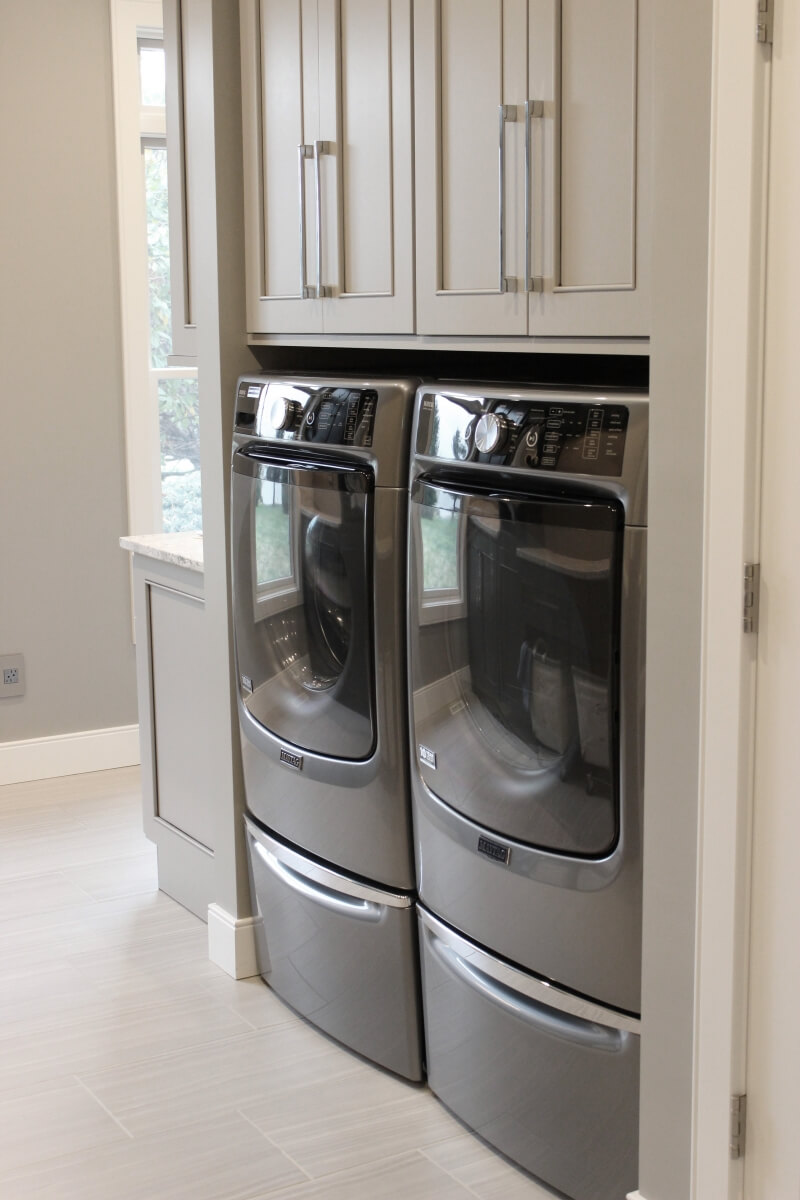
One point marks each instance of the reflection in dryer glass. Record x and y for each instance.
(514, 658)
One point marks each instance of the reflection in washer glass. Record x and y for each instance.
(439, 528)
(272, 534)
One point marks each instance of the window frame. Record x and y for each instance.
(135, 23)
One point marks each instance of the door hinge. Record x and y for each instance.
(750, 597)
(764, 20)
(738, 1125)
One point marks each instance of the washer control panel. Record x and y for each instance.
(336, 416)
(547, 434)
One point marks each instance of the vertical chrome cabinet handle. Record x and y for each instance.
(320, 148)
(505, 112)
(303, 152)
(533, 283)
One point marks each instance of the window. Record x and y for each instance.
(161, 401)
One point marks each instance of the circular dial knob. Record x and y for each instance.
(490, 432)
(283, 412)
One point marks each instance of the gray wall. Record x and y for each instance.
(64, 596)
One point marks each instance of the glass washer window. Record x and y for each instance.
(515, 691)
(303, 604)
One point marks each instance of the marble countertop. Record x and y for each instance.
(181, 549)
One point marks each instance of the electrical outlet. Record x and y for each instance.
(13, 676)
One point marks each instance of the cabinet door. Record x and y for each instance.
(280, 127)
(470, 60)
(366, 166)
(588, 184)
(179, 675)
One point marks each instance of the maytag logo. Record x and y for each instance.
(247, 683)
(494, 850)
(427, 757)
(292, 760)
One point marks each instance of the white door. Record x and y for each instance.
(772, 1154)
(366, 170)
(281, 123)
(589, 167)
(470, 60)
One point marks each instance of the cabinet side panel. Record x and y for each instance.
(598, 143)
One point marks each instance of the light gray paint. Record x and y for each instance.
(64, 592)
(677, 439)
(216, 250)
(177, 746)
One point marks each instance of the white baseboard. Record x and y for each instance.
(635, 1196)
(232, 942)
(69, 754)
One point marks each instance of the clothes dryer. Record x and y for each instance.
(318, 510)
(526, 644)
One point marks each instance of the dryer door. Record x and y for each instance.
(514, 649)
(302, 572)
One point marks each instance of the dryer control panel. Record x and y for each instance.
(547, 434)
(335, 416)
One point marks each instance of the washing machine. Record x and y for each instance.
(318, 511)
(527, 562)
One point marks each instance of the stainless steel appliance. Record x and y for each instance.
(318, 510)
(526, 644)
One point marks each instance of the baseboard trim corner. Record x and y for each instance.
(232, 942)
(69, 754)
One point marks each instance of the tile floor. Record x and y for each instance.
(132, 1068)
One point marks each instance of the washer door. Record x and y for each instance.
(302, 572)
(514, 651)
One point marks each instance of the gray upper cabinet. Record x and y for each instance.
(327, 114)
(532, 167)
